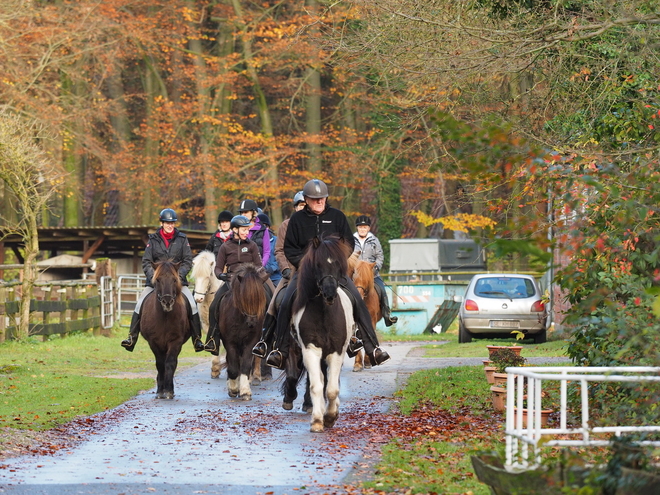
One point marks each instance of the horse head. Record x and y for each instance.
(327, 259)
(363, 277)
(203, 274)
(167, 283)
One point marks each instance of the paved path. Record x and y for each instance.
(205, 442)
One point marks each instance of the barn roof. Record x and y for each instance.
(100, 241)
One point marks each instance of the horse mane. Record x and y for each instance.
(167, 267)
(248, 292)
(200, 269)
(353, 260)
(326, 247)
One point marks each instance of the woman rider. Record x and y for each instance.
(222, 234)
(259, 233)
(167, 243)
(369, 249)
(237, 250)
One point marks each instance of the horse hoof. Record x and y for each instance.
(215, 375)
(255, 381)
(232, 393)
(329, 422)
(317, 427)
(287, 406)
(246, 397)
(307, 408)
(357, 368)
(367, 366)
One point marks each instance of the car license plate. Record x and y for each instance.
(505, 324)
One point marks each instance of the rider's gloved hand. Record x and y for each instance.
(224, 277)
(286, 273)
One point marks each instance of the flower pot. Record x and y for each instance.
(514, 348)
(545, 414)
(487, 362)
(499, 398)
(489, 370)
(500, 378)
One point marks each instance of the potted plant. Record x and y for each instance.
(515, 348)
(504, 358)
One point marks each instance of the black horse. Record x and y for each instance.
(240, 319)
(322, 324)
(164, 324)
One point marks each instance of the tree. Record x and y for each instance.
(33, 177)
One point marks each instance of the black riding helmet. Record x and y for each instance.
(264, 219)
(363, 220)
(248, 205)
(168, 215)
(240, 221)
(225, 216)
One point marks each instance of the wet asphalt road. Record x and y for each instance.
(203, 442)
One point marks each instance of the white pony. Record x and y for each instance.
(206, 285)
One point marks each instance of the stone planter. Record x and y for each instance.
(514, 348)
(499, 398)
(499, 378)
(489, 371)
(545, 415)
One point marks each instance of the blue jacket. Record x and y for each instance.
(271, 265)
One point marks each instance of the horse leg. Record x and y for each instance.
(293, 372)
(359, 361)
(256, 371)
(246, 366)
(335, 362)
(367, 361)
(307, 401)
(312, 360)
(232, 372)
(160, 376)
(171, 362)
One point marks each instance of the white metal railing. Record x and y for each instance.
(129, 288)
(106, 289)
(524, 432)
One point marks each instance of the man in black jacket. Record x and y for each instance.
(315, 219)
(167, 243)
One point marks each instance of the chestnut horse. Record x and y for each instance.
(362, 273)
(240, 319)
(322, 323)
(164, 324)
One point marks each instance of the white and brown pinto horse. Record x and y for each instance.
(322, 324)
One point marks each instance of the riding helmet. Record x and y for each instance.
(264, 219)
(240, 221)
(363, 220)
(298, 198)
(315, 189)
(168, 215)
(225, 216)
(247, 205)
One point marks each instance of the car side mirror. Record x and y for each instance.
(458, 299)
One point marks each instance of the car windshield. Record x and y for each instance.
(508, 287)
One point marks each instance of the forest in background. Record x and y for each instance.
(414, 111)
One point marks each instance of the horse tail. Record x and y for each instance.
(249, 294)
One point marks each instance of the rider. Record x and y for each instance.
(271, 265)
(369, 249)
(315, 219)
(259, 233)
(286, 268)
(167, 243)
(237, 250)
(222, 234)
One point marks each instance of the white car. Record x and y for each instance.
(497, 304)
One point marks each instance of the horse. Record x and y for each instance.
(164, 324)
(206, 285)
(362, 273)
(240, 319)
(322, 324)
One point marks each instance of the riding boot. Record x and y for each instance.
(354, 346)
(196, 329)
(385, 309)
(213, 336)
(261, 349)
(278, 355)
(133, 333)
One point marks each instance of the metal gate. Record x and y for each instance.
(129, 288)
(107, 291)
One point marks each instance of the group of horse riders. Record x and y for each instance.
(245, 238)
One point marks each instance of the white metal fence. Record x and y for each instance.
(129, 288)
(525, 433)
(106, 289)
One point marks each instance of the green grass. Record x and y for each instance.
(46, 384)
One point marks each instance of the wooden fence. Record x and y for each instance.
(56, 308)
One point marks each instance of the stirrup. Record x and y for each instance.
(380, 356)
(390, 320)
(261, 349)
(275, 359)
(199, 345)
(129, 343)
(354, 346)
(210, 345)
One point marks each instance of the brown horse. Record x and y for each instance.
(240, 320)
(362, 273)
(164, 324)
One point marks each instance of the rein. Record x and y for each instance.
(208, 292)
(319, 282)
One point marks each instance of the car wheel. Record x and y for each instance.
(541, 337)
(464, 336)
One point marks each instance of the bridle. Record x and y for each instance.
(208, 292)
(319, 282)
